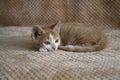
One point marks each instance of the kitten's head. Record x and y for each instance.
(47, 38)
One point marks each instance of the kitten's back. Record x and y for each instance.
(90, 38)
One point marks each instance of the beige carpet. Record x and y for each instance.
(20, 61)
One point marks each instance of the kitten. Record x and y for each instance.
(69, 37)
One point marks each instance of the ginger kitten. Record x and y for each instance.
(69, 37)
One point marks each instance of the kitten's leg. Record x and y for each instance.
(68, 47)
(74, 48)
(43, 50)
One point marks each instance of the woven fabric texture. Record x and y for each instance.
(32, 12)
(19, 61)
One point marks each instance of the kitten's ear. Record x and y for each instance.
(36, 32)
(57, 27)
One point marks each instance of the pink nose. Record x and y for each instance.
(53, 47)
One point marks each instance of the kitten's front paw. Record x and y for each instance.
(43, 50)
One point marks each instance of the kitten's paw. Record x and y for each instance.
(69, 46)
(43, 50)
(66, 47)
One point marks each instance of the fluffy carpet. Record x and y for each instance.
(20, 61)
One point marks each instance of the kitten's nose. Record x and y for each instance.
(53, 47)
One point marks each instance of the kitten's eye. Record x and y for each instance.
(57, 41)
(47, 42)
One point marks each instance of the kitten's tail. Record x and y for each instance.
(101, 44)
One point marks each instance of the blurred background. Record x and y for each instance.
(104, 13)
